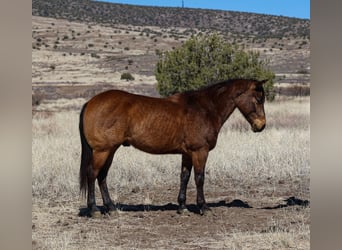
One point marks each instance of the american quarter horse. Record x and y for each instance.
(185, 123)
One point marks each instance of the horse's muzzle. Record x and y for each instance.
(258, 125)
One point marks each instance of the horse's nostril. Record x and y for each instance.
(263, 126)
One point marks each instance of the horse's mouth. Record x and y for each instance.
(257, 130)
(258, 125)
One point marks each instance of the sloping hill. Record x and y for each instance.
(241, 23)
(82, 47)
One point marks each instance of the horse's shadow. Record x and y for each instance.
(292, 201)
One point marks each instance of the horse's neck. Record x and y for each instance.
(218, 101)
(224, 102)
(225, 109)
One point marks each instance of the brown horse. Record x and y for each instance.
(185, 123)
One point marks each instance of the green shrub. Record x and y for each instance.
(94, 55)
(207, 59)
(127, 77)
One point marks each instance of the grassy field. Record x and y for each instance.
(259, 170)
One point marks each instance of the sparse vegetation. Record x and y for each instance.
(127, 76)
(145, 55)
(37, 99)
(94, 55)
(245, 24)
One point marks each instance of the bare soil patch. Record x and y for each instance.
(157, 225)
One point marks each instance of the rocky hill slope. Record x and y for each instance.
(80, 42)
(246, 24)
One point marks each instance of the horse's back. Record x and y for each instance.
(110, 97)
(115, 103)
(119, 117)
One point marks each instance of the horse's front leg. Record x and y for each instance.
(184, 179)
(199, 159)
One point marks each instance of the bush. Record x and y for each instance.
(127, 77)
(37, 99)
(94, 55)
(207, 59)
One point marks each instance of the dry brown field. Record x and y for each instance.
(257, 186)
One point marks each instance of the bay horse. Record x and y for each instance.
(185, 123)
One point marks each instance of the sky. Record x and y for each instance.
(289, 8)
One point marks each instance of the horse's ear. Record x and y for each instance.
(257, 84)
(262, 82)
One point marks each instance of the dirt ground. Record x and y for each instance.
(255, 218)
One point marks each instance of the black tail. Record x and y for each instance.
(86, 156)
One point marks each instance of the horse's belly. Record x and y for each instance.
(157, 143)
(156, 132)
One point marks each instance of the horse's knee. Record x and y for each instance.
(199, 179)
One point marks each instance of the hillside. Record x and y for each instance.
(238, 23)
(80, 48)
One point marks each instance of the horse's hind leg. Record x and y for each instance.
(102, 181)
(99, 160)
(94, 210)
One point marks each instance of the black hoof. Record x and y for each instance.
(204, 210)
(110, 207)
(94, 212)
(183, 211)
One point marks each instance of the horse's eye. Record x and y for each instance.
(258, 100)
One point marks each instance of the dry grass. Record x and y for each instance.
(262, 168)
(281, 152)
(275, 238)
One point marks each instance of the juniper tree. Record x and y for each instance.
(202, 60)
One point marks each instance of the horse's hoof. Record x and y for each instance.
(183, 211)
(110, 207)
(205, 211)
(113, 213)
(96, 214)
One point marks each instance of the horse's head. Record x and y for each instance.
(251, 105)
